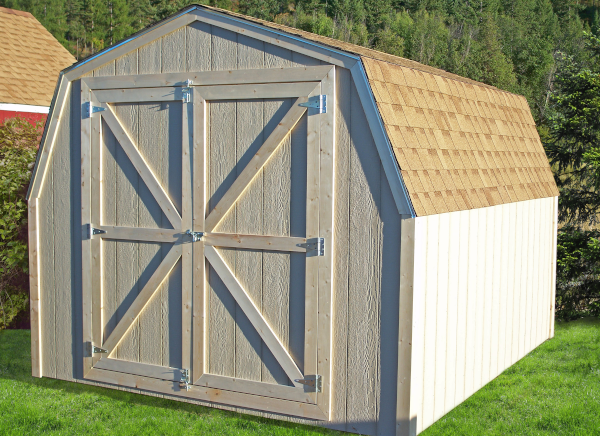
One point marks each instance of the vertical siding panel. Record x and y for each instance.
(173, 51)
(249, 215)
(222, 161)
(553, 269)
(431, 300)
(517, 318)
(452, 331)
(481, 318)
(63, 203)
(276, 221)
(472, 313)
(364, 273)
(535, 274)
(390, 302)
(442, 316)
(529, 343)
(341, 257)
(150, 137)
(509, 285)
(488, 294)
(462, 311)
(503, 289)
(127, 252)
(418, 343)
(522, 234)
(47, 294)
(496, 308)
(198, 41)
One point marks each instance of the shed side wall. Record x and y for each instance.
(367, 232)
(487, 299)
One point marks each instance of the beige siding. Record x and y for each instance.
(484, 302)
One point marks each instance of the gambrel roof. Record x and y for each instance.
(31, 59)
(446, 143)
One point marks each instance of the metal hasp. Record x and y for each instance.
(318, 102)
(93, 231)
(88, 109)
(196, 236)
(314, 247)
(187, 92)
(98, 350)
(315, 382)
(184, 383)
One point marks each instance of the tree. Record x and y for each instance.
(573, 144)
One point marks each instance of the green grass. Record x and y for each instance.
(555, 390)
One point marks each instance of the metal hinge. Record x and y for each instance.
(93, 231)
(318, 102)
(196, 236)
(187, 92)
(314, 247)
(315, 382)
(97, 350)
(88, 109)
(184, 383)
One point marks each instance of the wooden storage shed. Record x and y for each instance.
(247, 216)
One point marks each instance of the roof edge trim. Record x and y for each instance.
(42, 148)
(382, 142)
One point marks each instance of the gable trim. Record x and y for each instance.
(382, 142)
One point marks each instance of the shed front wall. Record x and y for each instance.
(483, 298)
(367, 234)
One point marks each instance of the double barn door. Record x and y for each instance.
(207, 208)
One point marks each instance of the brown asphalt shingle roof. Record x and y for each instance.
(460, 144)
(30, 59)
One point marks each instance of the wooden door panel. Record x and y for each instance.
(249, 181)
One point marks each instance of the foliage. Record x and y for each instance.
(573, 143)
(18, 149)
(509, 44)
(578, 273)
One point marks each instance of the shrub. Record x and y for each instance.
(577, 273)
(19, 142)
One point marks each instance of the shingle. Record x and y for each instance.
(459, 144)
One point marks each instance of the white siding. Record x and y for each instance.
(487, 291)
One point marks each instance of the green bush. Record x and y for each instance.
(18, 148)
(577, 273)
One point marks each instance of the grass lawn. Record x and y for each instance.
(555, 390)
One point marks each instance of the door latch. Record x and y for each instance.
(184, 383)
(187, 92)
(314, 382)
(196, 236)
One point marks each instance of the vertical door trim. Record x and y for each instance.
(199, 213)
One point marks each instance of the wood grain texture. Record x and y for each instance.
(63, 216)
(127, 192)
(198, 52)
(34, 286)
(341, 258)
(364, 277)
(222, 162)
(249, 216)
